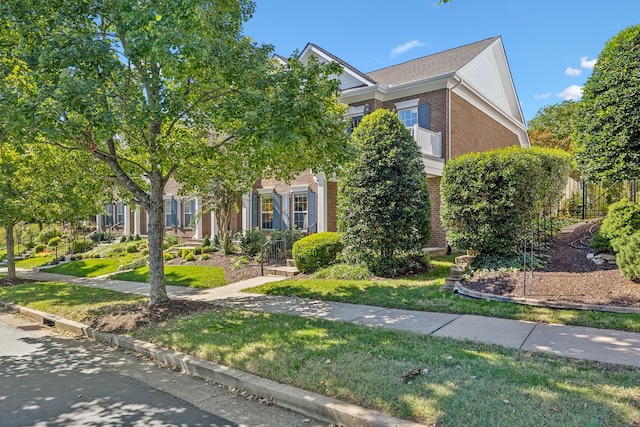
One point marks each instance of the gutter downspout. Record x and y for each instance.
(449, 116)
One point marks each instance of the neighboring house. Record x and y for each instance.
(458, 101)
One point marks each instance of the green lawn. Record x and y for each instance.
(36, 261)
(464, 383)
(3, 254)
(193, 276)
(422, 293)
(70, 301)
(91, 267)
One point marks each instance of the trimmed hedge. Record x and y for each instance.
(316, 250)
(491, 200)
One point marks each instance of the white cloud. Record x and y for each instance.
(542, 95)
(587, 63)
(399, 50)
(572, 93)
(573, 72)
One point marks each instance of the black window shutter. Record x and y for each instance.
(424, 119)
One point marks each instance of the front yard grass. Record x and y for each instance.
(35, 261)
(91, 267)
(422, 293)
(70, 301)
(193, 276)
(464, 383)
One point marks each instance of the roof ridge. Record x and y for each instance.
(433, 54)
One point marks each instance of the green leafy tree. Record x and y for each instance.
(553, 126)
(608, 118)
(384, 207)
(165, 89)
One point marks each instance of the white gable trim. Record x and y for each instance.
(349, 78)
(410, 103)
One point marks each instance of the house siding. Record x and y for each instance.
(474, 131)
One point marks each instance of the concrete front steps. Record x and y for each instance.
(290, 270)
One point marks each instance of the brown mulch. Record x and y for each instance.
(568, 277)
(16, 281)
(231, 273)
(126, 318)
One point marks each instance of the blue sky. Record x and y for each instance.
(551, 45)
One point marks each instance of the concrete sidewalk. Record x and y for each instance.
(608, 346)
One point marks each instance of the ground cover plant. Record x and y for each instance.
(192, 276)
(422, 293)
(92, 267)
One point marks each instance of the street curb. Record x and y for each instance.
(311, 404)
(460, 289)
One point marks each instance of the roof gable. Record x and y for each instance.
(350, 78)
(437, 64)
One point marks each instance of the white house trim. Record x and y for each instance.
(321, 217)
(410, 103)
(299, 188)
(197, 207)
(127, 220)
(136, 221)
(246, 211)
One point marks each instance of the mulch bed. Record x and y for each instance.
(568, 277)
(232, 273)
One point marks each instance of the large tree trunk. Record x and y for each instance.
(11, 256)
(157, 288)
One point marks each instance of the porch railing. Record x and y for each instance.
(430, 142)
(274, 252)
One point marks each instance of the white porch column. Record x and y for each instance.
(214, 225)
(136, 221)
(197, 207)
(99, 222)
(127, 220)
(246, 211)
(321, 179)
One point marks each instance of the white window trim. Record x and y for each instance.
(262, 211)
(305, 224)
(410, 103)
(355, 111)
(299, 188)
(185, 202)
(269, 190)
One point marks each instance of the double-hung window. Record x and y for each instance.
(409, 116)
(120, 213)
(168, 212)
(266, 211)
(300, 210)
(189, 212)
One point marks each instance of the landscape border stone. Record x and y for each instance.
(302, 401)
(461, 290)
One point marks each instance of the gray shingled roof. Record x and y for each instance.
(429, 66)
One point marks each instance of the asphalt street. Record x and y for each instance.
(48, 379)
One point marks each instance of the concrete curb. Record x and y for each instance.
(302, 401)
(459, 288)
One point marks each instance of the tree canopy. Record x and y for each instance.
(165, 89)
(553, 126)
(608, 117)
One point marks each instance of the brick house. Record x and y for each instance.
(458, 101)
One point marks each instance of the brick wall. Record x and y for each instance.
(332, 206)
(474, 131)
(438, 233)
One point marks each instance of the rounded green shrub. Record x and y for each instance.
(205, 257)
(185, 253)
(190, 257)
(49, 234)
(168, 256)
(316, 251)
(206, 242)
(198, 250)
(54, 241)
(628, 256)
(40, 247)
(623, 220)
(81, 246)
(131, 249)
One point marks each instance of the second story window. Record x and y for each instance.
(409, 116)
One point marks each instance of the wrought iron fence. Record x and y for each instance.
(275, 252)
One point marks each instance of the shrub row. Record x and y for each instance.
(490, 200)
